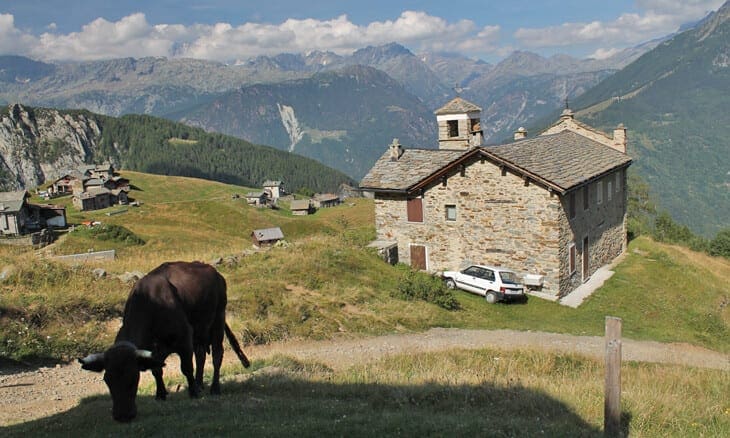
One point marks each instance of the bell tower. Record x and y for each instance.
(459, 125)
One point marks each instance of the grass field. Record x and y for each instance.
(326, 283)
(456, 393)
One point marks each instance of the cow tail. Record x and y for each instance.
(236, 347)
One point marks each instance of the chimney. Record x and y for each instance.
(567, 114)
(396, 150)
(619, 138)
(520, 133)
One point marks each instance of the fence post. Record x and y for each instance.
(612, 402)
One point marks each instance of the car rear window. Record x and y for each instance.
(509, 277)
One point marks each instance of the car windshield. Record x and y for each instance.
(508, 277)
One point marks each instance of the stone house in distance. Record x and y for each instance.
(552, 206)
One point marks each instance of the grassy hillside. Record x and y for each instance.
(153, 145)
(327, 284)
(674, 103)
(324, 283)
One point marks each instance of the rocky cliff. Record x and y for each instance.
(38, 144)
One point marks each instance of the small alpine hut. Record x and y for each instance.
(266, 236)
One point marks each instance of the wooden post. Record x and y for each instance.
(612, 402)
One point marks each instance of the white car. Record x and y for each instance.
(495, 284)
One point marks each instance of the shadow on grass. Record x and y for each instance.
(279, 404)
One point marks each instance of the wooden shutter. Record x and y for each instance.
(415, 210)
(418, 257)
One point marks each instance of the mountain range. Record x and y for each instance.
(229, 97)
(38, 145)
(674, 102)
(344, 110)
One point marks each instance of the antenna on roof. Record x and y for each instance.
(459, 89)
(566, 103)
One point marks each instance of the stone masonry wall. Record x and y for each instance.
(459, 142)
(501, 221)
(603, 224)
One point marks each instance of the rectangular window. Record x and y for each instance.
(571, 258)
(5, 222)
(609, 191)
(599, 192)
(450, 212)
(585, 198)
(415, 210)
(571, 207)
(618, 181)
(453, 128)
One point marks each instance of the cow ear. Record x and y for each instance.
(145, 360)
(93, 362)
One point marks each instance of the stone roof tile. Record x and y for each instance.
(412, 167)
(565, 159)
(457, 105)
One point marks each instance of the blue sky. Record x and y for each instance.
(227, 30)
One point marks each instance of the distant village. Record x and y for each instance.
(96, 187)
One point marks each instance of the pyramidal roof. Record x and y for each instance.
(457, 105)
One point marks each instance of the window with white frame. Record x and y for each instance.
(599, 192)
(451, 212)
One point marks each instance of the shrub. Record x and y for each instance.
(421, 286)
(115, 233)
(720, 245)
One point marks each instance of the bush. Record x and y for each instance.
(421, 286)
(720, 245)
(115, 233)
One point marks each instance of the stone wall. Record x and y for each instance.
(466, 137)
(502, 221)
(603, 224)
(499, 221)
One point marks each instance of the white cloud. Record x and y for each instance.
(12, 40)
(659, 17)
(604, 53)
(134, 36)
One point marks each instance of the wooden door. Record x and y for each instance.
(418, 257)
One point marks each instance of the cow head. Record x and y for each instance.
(122, 364)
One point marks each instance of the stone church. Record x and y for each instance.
(553, 206)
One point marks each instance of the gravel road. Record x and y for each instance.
(27, 394)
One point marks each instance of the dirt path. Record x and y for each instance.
(29, 394)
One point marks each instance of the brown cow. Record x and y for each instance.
(180, 308)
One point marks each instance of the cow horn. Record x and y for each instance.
(145, 354)
(92, 358)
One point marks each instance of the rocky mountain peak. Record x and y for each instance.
(375, 55)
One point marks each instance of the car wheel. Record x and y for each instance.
(491, 297)
(450, 283)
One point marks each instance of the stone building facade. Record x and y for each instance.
(554, 206)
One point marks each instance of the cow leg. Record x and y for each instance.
(186, 366)
(161, 390)
(200, 351)
(217, 353)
